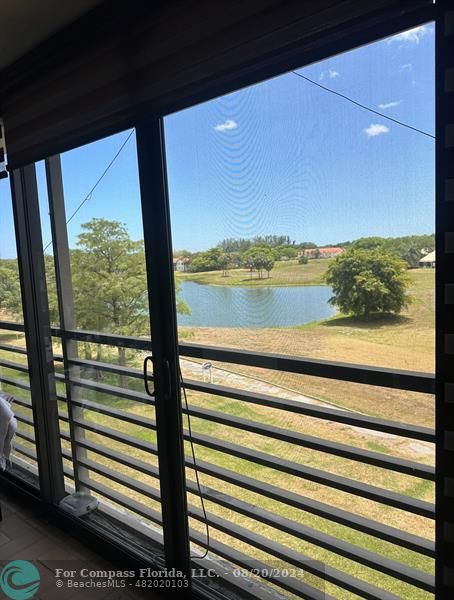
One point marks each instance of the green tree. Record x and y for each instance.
(268, 264)
(109, 281)
(207, 261)
(225, 261)
(410, 248)
(259, 258)
(368, 283)
(230, 245)
(10, 292)
(286, 252)
(51, 283)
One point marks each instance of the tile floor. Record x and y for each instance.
(26, 536)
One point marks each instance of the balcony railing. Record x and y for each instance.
(101, 449)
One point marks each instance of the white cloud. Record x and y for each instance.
(406, 67)
(375, 129)
(411, 35)
(386, 105)
(331, 73)
(226, 126)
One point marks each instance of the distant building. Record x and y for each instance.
(428, 261)
(181, 264)
(328, 252)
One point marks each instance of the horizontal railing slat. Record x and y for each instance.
(412, 576)
(264, 570)
(24, 419)
(116, 413)
(106, 367)
(112, 390)
(115, 435)
(94, 337)
(9, 364)
(21, 402)
(345, 484)
(26, 436)
(339, 547)
(341, 483)
(346, 549)
(394, 378)
(312, 410)
(357, 522)
(120, 478)
(15, 349)
(325, 511)
(370, 375)
(15, 382)
(28, 452)
(125, 501)
(295, 558)
(334, 448)
(11, 326)
(117, 456)
(68, 473)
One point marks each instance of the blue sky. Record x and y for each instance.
(280, 157)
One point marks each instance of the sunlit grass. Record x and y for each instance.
(284, 273)
(402, 342)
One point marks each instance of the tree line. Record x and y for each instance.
(110, 288)
(256, 258)
(409, 248)
(258, 254)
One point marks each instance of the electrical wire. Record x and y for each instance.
(199, 487)
(363, 106)
(309, 80)
(98, 181)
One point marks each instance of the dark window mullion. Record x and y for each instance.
(158, 252)
(444, 227)
(37, 332)
(65, 296)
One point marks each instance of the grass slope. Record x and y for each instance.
(406, 341)
(284, 273)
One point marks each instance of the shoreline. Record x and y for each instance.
(243, 284)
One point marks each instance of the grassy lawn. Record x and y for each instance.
(405, 342)
(285, 273)
(354, 504)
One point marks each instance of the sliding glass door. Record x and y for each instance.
(101, 299)
(302, 212)
(230, 311)
(14, 357)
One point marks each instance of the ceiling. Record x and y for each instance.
(26, 23)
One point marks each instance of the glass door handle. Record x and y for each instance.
(146, 376)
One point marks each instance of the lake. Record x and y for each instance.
(228, 306)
